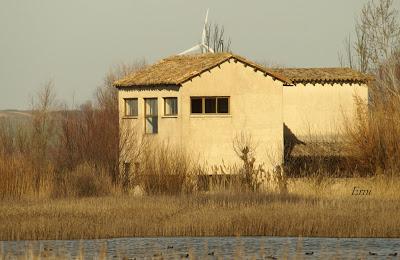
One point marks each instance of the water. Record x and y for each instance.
(207, 248)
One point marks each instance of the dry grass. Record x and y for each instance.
(165, 170)
(302, 212)
(19, 179)
(373, 140)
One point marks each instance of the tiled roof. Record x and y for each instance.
(176, 70)
(323, 75)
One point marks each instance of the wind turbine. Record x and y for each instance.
(202, 47)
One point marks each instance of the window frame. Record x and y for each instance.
(126, 108)
(146, 116)
(165, 107)
(203, 105)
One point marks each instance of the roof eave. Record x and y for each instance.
(330, 81)
(132, 86)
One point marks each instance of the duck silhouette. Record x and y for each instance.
(310, 253)
(392, 254)
(372, 253)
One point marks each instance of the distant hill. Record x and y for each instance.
(15, 114)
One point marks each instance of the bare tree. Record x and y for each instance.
(106, 95)
(92, 134)
(376, 47)
(216, 38)
(377, 36)
(43, 122)
(42, 137)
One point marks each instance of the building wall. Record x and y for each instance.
(320, 111)
(255, 110)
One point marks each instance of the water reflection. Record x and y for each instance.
(206, 247)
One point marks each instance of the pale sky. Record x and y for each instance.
(75, 42)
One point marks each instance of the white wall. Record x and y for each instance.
(255, 110)
(320, 111)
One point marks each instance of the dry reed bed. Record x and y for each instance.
(331, 214)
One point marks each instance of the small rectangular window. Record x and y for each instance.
(196, 105)
(131, 107)
(210, 105)
(151, 115)
(223, 105)
(151, 125)
(170, 106)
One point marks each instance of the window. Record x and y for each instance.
(209, 105)
(151, 115)
(223, 105)
(131, 107)
(170, 106)
(196, 105)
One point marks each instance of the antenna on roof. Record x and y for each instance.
(202, 47)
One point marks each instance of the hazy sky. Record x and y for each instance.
(74, 43)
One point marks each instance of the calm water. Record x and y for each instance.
(207, 248)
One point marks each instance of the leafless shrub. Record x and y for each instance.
(251, 174)
(56, 142)
(165, 169)
(84, 181)
(26, 149)
(92, 132)
(373, 139)
(132, 147)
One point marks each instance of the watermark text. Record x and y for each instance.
(357, 191)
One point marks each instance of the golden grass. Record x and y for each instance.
(301, 212)
(19, 179)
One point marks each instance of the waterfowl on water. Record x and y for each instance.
(372, 253)
(310, 253)
(270, 257)
(393, 254)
